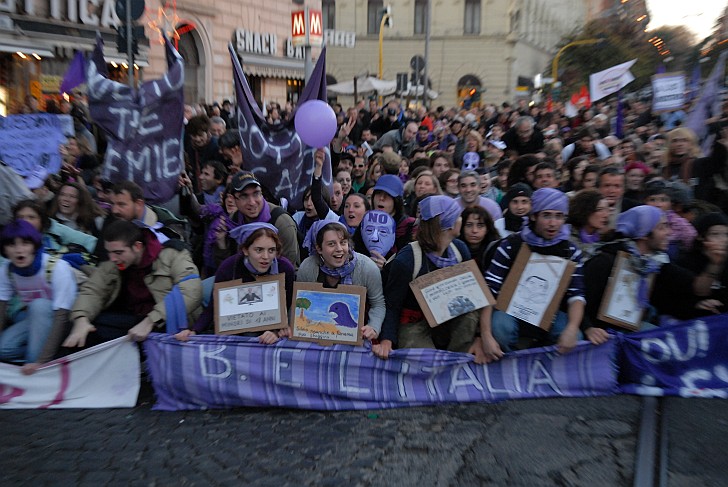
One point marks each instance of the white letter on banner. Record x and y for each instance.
(546, 379)
(400, 380)
(489, 385)
(123, 114)
(651, 356)
(279, 365)
(149, 118)
(212, 355)
(470, 381)
(342, 375)
(431, 388)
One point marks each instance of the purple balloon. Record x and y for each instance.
(315, 123)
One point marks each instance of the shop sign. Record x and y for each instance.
(50, 83)
(87, 12)
(255, 43)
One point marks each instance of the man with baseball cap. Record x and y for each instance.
(546, 235)
(252, 207)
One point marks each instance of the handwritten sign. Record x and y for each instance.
(30, 142)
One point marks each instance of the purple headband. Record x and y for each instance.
(639, 221)
(243, 232)
(448, 209)
(549, 199)
(309, 243)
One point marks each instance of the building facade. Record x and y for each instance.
(492, 46)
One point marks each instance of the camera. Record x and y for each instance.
(391, 112)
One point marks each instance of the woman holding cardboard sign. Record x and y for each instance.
(436, 248)
(260, 255)
(333, 262)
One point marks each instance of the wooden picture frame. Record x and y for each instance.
(450, 292)
(242, 307)
(317, 304)
(619, 306)
(529, 294)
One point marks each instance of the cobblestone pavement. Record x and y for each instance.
(555, 442)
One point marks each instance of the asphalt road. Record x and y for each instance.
(553, 442)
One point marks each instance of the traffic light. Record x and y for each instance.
(387, 14)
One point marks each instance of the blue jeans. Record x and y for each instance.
(506, 329)
(24, 340)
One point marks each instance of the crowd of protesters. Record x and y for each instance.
(86, 261)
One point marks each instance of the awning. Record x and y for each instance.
(273, 67)
(27, 48)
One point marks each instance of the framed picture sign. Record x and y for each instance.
(619, 305)
(450, 292)
(534, 287)
(328, 316)
(242, 307)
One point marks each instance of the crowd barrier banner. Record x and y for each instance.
(144, 126)
(31, 143)
(105, 376)
(688, 359)
(227, 371)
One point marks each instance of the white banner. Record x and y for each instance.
(104, 376)
(668, 91)
(611, 80)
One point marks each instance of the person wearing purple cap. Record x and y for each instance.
(333, 261)
(43, 288)
(388, 196)
(259, 255)
(436, 247)
(545, 234)
(643, 232)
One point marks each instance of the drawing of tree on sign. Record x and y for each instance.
(304, 304)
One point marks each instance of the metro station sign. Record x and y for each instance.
(307, 28)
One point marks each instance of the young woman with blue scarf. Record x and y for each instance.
(332, 261)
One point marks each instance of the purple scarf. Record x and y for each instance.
(589, 238)
(643, 265)
(449, 260)
(272, 271)
(345, 272)
(537, 241)
(217, 216)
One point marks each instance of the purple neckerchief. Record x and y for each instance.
(272, 271)
(537, 241)
(345, 272)
(589, 238)
(449, 260)
(214, 198)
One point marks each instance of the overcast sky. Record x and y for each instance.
(697, 15)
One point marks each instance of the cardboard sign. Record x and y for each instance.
(451, 292)
(668, 92)
(619, 305)
(328, 316)
(535, 286)
(242, 307)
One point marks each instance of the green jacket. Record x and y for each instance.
(171, 266)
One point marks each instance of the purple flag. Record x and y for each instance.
(694, 85)
(76, 73)
(275, 153)
(619, 124)
(688, 359)
(227, 371)
(708, 103)
(144, 125)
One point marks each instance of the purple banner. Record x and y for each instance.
(275, 153)
(225, 372)
(144, 126)
(686, 359)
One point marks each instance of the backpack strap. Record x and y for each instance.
(276, 213)
(417, 254)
